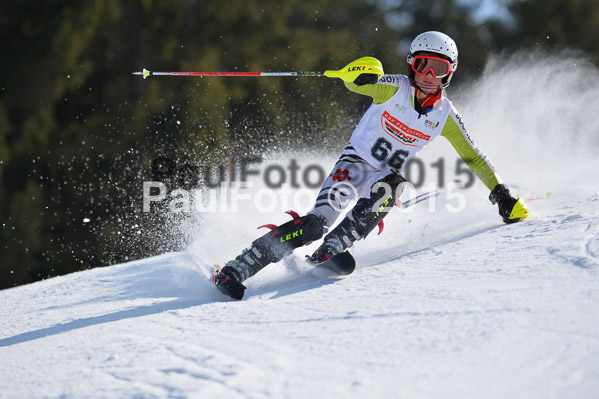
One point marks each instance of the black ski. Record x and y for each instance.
(232, 288)
(343, 264)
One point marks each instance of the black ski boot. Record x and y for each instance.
(275, 245)
(241, 267)
(360, 222)
(337, 241)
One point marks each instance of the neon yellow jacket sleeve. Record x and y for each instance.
(457, 134)
(379, 92)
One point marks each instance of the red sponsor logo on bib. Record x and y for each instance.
(400, 131)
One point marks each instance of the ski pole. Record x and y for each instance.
(538, 197)
(422, 197)
(346, 74)
(145, 73)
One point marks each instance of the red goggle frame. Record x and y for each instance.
(439, 67)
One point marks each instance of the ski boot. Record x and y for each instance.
(270, 248)
(337, 241)
(359, 222)
(240, 268)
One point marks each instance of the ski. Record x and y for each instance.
(227, 284)
(342, 264)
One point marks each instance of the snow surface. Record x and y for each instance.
(441, 305)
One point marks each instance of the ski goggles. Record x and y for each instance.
(439, 67)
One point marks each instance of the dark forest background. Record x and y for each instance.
(79, 133)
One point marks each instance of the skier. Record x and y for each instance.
(407, 113)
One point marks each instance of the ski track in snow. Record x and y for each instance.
(487, 310)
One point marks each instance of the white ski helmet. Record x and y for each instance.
(438, 43)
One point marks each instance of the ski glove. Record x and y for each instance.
(512, 210)
(365, 70)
